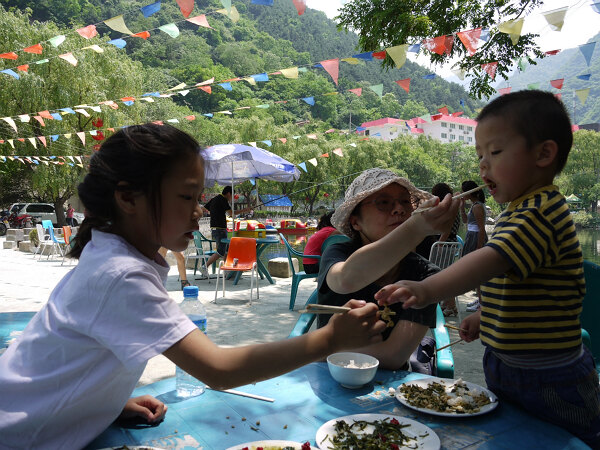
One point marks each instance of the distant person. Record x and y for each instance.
(71, 372)
(315, 241)
(180, 265)
(218, 207)
(530, 271)
(70, 211)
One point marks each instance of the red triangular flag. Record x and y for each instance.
(490, 69)
(457, 113)
(46, 115)
(300, 6)
(190, 118)
(144, 35)
(37, 49)
(357, 91)
(23, 68)
(379, 55)
(552, 52)
(404, 84)
(436, 117)
(332, 67)
(206, 89)
(200, 21)
(470, 39)
(9, 55)
(443, 110)
(439, 44)
(558, 83)
(325, 155)
(42, 140)
(558, 96)
(186, 7)
(87, 32)
(283, 140)
(505, 90)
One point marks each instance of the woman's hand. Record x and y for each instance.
(358, 327)
(440, 217)
(471, 326)
(411, 293)
(146, 406)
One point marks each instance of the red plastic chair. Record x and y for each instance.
(67, 238)
(244, 250)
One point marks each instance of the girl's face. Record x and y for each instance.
(381, 212)
(506, 164)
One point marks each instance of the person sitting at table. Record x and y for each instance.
(376, 214)
(69, 375)
(313, 246)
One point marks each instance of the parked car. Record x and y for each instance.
(42, 211)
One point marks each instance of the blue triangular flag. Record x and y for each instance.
(414, 48)
(302, 165)
(367, 56)
(587, 50)
(462, 102)
(485, 34)
(150, 9)
(35, 161)
(309, 100)
(11, 72)
(268, 142)
(376, 134)
(151, 94)
(430, 76)
(361, 128)
(56, 116)
(262, 2)
(54, 137)
(318, 66)
(226, 86)
(128, 102)
(260, 77)
(67, 110)
(208, 114)
(252, 181)
(585, 77)
(120, 43)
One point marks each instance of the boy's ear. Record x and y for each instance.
(126, 200)
(547, 152)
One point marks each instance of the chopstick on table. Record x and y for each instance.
(454, 328)
(325, 309)
(450, 344)
(243, 394)
(464, 194)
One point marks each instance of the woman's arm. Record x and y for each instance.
(372, 261)
(223, 368)
(479, 213)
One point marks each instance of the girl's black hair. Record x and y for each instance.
(325, 220)
(470, 184)
(134, 159)
(440, 190)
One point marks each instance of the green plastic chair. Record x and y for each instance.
(333, 239)
(590, 315)
(208, 252)
(445, 360)
(297, 277)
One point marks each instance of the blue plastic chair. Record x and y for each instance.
(54, 242)
(445, 360)
(297, 277)
(590, 315)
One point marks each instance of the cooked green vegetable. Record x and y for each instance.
(456, 398)
(386, 434)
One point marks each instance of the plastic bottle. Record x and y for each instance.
(187, 385)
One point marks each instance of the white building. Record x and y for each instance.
(442, 127)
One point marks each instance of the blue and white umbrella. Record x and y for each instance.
(234, 163)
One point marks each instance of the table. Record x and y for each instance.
(261, 246)
(304, 400)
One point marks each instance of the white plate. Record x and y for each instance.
(132, 447)
(424, 382)
(296, 445)
(425, 436)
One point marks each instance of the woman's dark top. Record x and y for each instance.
(414, 268)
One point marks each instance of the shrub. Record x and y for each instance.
(33, 237)
(583, 219)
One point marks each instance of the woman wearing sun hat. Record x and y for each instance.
(376, 214)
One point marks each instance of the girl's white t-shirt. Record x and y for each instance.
(69, 374)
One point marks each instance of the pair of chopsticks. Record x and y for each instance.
(449, 345)
(325, 309)
(447, 325)
(243, 394)
(464, 194)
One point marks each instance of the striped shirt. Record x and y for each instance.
(534, 307)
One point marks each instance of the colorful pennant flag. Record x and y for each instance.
(552, 52)
(533, 86)
(226, 86)
(144, 35)
(292, 72)
(585, 77)
(302, 165)
(200, 21)
(69, 58)
(332, 67)
(398, 54)
(87, 32)
(582, 94)
(512, 28)
(558, 83)
(37, 49)
(313, 161)
(9, 55)
(439, 44)
(443, 110)
(309, 100)
(119, 43)
(260, 77)
(429, 76)
(94, 47)
(11, 72)
(490, 69)
(57, 40)
(186, 7)
(378, 89)
(470, 39)
(367, 56)
(414, 48)
(505, 90)
(379, 55)
(587, 50)
(338, 151)
(150, 9)
(356, 91)
(171, 29)
(262, 2)
(459, 72)
(300, 6)
(118, 24)
(11, 122)
(556, 18)
(404, 84)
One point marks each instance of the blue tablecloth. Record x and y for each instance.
(304, 400)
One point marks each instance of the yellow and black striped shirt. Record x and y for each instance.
(535, 306)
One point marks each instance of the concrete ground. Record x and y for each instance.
(26, 283)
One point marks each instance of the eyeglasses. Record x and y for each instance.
(387, 204)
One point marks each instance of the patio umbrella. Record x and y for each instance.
(234, 163)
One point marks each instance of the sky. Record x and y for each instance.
(581, 23)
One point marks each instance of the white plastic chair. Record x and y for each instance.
(443, 254)
(42, 238)
(197, 253)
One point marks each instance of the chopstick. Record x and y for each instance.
(243, 394)
(455, 328)
(325, 309)
(450, 344)
(464, 194)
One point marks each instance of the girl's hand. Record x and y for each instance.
(471, 326)
(358, 327)
(411, 293)
(146, 406)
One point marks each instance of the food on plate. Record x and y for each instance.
(447, 398)
(386, 434)
(305, 446)
(386, 314)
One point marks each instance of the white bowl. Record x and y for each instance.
(352, 370)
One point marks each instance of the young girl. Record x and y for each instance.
(71, 372)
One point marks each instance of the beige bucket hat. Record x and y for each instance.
(367, 183)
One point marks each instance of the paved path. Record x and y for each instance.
(26, 283)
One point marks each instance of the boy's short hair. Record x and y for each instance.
(537, 116)
(226, 190)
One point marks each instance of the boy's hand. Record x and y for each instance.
(411, 293)
(358, 327)
(146, 406)
(471, 325)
